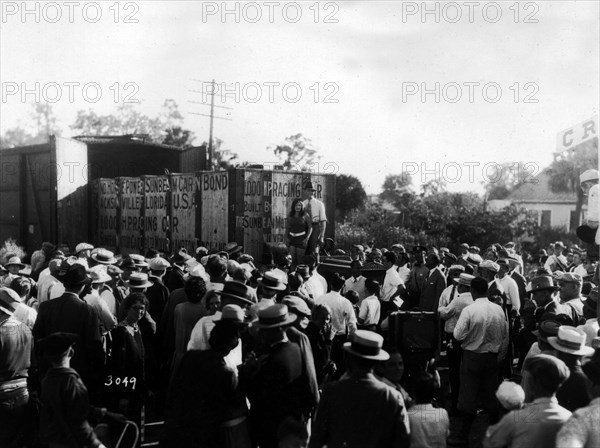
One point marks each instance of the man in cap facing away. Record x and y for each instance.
(65, 404)
(360, 411)
(537, 424)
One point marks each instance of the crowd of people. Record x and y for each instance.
(230, 353)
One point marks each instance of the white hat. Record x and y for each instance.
(83, 246)
(489, 265)
(570, 340)
(510, 395)
(158, 264)
(138, 280)
(104, 256)
(464, 279)
(367, 344)
(98, 274)
(588, 175)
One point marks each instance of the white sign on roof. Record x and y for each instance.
(577, 134)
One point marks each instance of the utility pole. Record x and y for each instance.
(213, 91)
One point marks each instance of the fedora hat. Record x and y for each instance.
(368, 345)
(274, 316)
(296, 305)
(309, 186)
(234, 314)
(541, 283)
(104, 256)
(57, 343)
(179, 257)
(464, 279)
(548, 328)
(238, 291)
(271, 281)
(14, 261)
(138, 280)
(71, 273)
(83, 246)
(570, 340)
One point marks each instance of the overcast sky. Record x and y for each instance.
(361, 70)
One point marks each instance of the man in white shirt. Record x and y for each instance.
(49, 287)
(392, 279)
(557, 261)
(343, 318)
(316, 213)
(451, 291)
(511, 289)
(370, 308)
(482, 330)
(356, 282)
(315, 285)
(451, 313)
(578, 267)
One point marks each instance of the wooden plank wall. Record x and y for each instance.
(208, 209)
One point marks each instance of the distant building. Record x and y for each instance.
(553, 209)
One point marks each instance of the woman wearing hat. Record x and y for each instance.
(126, 369)
(14, 266)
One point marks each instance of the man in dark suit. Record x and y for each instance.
(434, 284)
(543, 294)
(69, 313)
(278, 386)
(360, 411)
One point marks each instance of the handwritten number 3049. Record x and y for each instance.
(118, 381)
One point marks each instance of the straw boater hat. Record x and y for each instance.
(14, 261)
(368, 345)
(104, 256)
(139, 260)
(138, 280)
(271, 281)
(233, 248)
(464, 279)
(274, 316)
(570, 340)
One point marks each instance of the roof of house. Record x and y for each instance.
(537, 189)
(131, 139)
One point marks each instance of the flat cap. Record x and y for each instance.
(549, 371)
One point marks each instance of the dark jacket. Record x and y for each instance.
(68, 313)
(521, 284)
(65, 409)
(321, 348)
(432, 290)
(360, 412)
(277, 391)
(574, 393)
(175, 279)
(204, 394)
